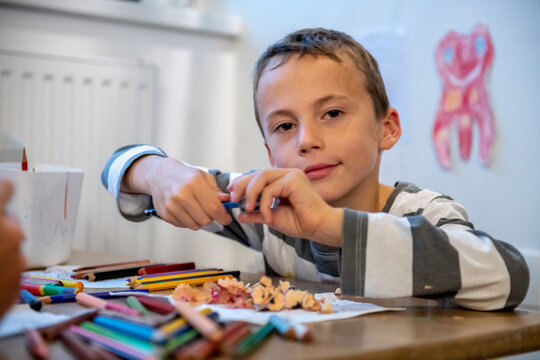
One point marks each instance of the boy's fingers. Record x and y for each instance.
(210, 208)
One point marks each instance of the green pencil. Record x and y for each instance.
(254, 339)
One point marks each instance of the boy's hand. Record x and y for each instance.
(183, 195)
(12, 263)
(301, 212)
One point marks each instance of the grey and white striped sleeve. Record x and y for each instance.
(432, 252)
(131, 206)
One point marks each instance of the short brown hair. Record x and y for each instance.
(329, 43)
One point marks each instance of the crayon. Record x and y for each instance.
(125, 264)
(111, 345)
(53, 331)
(78, 347)
(35, 344)
(37, 289)
(136, 304)
(254, 339)
(208, 328)
(125, 338)
(155, 305)
(158, 269)
(93, 301)
(26, 297)
(102, 295)
(147, 333)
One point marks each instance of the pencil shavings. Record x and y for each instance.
(262, 296)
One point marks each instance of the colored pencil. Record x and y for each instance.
(24, 161)
(254, 339)
(140, 277)
(35, 344)
(78, 347)
(93, 301)
(198, 349)
(208, 328)
(125, 263)
(290, 330)
(136, 304)
(125, 338)
(155, 305)
(62, 282)
(176, 276)
(40, 290)
(109, 274)
(26, 297)
(232, 335)
(191, 280)
(181, 339)
(53, 331)
(111, 345)
(102, 295)
(144, 332)
(157, 269)
(178, 326)
(101, 353)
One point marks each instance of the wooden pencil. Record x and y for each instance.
(81, 274)
(53, 331)
(208, 328)
(130, 263)
(172, 277)
(35, 343)
(192, 280)
(111, 274)
(155, 269)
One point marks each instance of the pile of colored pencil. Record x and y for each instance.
(170, 280)
(145, 327)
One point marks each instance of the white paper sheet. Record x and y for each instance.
(21, 316)
(64, 272)
(342, 309)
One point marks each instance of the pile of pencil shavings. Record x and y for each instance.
(261, 296)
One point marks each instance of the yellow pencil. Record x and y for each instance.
(190, 281)
(176, 276)
(175, 325)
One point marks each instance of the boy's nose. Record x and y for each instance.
(309, 139)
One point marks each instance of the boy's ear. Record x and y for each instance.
(390, 129)
(270, 158)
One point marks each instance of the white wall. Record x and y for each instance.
(502, 199)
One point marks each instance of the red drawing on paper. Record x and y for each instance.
(462, 62)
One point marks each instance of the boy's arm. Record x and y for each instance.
(141, 176)
(431, 252)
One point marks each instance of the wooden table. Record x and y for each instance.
(425, 330)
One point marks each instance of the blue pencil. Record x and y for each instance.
(54, 299)
(26, 297)
(140, 331)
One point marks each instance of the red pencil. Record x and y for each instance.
(24, 161)
(156, 269)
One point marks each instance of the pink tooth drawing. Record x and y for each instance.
(462, 62)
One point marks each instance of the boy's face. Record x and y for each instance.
(317, 116)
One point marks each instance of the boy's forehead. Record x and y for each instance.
(285, 72)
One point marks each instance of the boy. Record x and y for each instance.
(322, 108)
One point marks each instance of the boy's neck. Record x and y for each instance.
(371, 200)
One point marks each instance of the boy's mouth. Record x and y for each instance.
(319, 171)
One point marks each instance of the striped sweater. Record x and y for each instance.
(421, 244)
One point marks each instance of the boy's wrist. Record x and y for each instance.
(331, 233)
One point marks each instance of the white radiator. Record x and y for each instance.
(75, 112)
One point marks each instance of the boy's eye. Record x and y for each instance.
(334, 113)
(284, 127)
